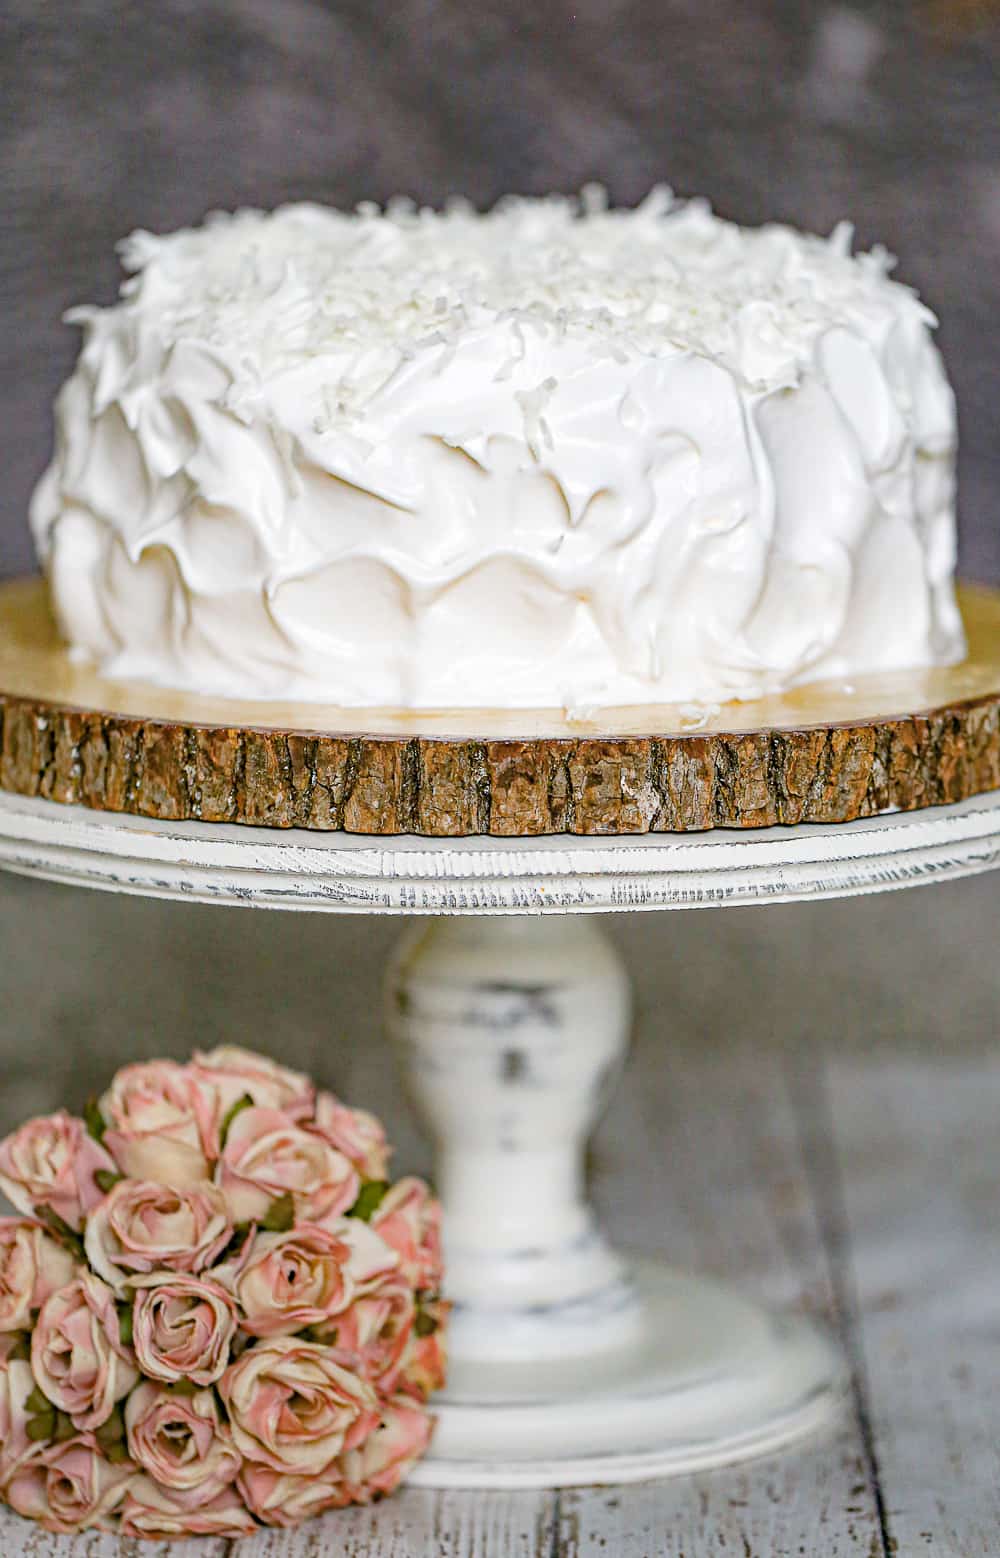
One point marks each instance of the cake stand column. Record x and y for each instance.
(510, 1033)
(569, 1362)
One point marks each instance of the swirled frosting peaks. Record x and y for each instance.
(550, 455)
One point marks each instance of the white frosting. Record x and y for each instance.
(554, 455)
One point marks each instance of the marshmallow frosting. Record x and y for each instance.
(555, 455)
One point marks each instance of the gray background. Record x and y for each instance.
(116, 116)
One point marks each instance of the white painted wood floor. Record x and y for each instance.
(858, 1182)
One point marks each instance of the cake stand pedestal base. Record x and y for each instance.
(570, 1364)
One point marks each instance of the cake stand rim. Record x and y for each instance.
(407, 876)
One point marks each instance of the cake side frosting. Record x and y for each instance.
(552, 456)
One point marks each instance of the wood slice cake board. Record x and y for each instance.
(824, 753)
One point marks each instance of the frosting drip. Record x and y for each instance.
(553, 455)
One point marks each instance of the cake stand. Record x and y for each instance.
(508, 1007)
(509, 1011)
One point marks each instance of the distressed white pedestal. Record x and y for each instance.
(570, 1363)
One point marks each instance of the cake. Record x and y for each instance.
(553, 456)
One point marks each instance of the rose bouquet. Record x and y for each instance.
(216, 1312)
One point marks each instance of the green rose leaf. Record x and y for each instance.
(280, 1214)
(246, 1102)
(62, 1230)
(112, 1431)
(370, 1198)
(93, 1119)
(37, 1402)
(424, 1324)
(64, 1430)
(183, 1387)
(41, 1427)
(125, 1323)
(107, 1179)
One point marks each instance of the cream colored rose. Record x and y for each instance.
(181, 1441)
(182, 1327)
(425, 1363)
(53, 1162)
(293, 1408)
(370, 1260)
(409, 1219)
(142, 1227)
(281, 1499)
(237, 1073)
(286, 1281)
(355, 1133)
(375, 1330)
(32, 1266)
(380, 1462)
(16, 1384)
(161, 1124)
(151, 1511)
(71, 1487)
(267, 1157)
(77, 1355)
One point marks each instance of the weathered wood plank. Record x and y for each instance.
(23, 1539)
(420, 1524)
(702, 1161)
(813, 1502)
(918, 1166)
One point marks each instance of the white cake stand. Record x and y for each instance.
(509, 1010)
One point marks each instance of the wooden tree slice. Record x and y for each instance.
(824, 753)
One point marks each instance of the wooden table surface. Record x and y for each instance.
(811, 1111)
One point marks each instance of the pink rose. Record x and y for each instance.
(373, 1333)
(32, 1266)
(280, 1499)
(182, 1327)
(150, 1510)
(71, 1487)
(293, 1408)
(236, 1073)
(77, 1355)
(409, 1218)
(370, 1260)
(51, 1161)
(181, 1441)
(355, 1133)
(379, 1463)
(16, 1384)
(425, 1366)
(161, 1124)
(286, 1281)
(141, 1227)
(267, 1156)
